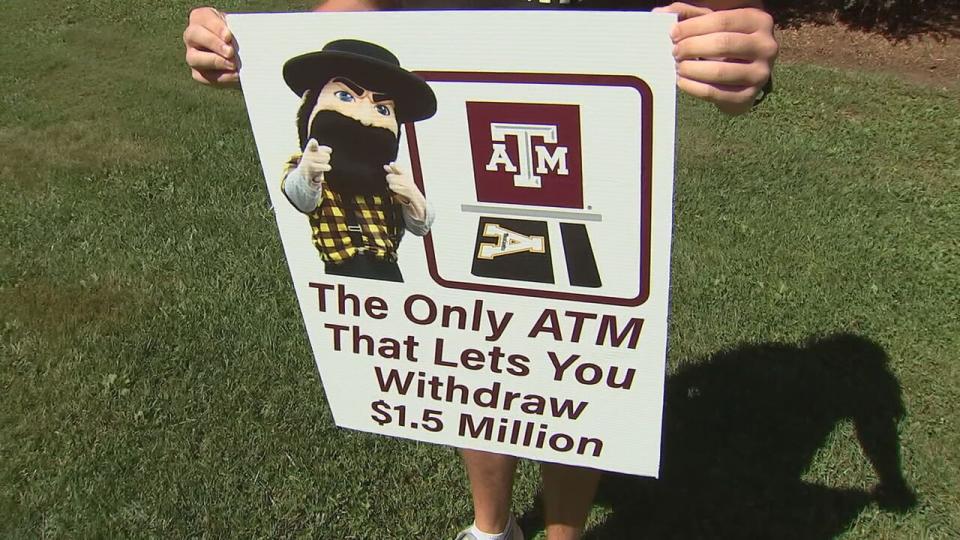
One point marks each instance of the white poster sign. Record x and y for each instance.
(476, 211)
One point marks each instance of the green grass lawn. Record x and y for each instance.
(156, 378)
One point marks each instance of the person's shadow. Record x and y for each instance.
(742, 427)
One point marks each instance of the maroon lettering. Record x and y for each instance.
(497, 327)
(393, 380)
(588, 374)
(608, 329)
(438, 355)
(477, 314)
(361, 343)
(560, 367)
(411, 344)
(578, 318)
(549, 323)
(518, 365)
(411, 304)
(627, 381)
(533, 404)
(487, 397)
(349, 304)
(447, 313)
(322, 289)
(337, 329)
(472, 359)
(376, 307)
(344, 299)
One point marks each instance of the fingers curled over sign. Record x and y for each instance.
(215, 78)
(741, 21)
(724, 73)
(683, 11)
(729, 99)
(211, 51)
(725, 56)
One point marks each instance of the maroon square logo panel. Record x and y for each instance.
(526, 153)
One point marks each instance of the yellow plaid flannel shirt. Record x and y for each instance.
(379, 219)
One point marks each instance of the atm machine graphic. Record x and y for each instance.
(527, 164)
(542, 184)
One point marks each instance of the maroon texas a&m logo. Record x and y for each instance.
(526, 153)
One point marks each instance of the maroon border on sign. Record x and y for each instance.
(646, 175)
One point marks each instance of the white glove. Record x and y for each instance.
(402, 185)
(314, 162)
(304, 184)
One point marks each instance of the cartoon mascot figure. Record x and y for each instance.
(359, 201)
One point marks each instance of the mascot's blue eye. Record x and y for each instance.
(343, 95)
(383, 109)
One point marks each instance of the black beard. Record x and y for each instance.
(359, 153)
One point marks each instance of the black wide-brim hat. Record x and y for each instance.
(368, 65)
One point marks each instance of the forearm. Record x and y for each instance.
(418, 219)
(302, 194)
(355, 5)
(719, 5)
(376, 5)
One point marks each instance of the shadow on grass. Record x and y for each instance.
(896, 20)
(893, 19)
(740, 429)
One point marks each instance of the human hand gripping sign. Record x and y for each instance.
(724, 57)
(211, 49)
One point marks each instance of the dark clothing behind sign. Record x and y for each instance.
(631, 5)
